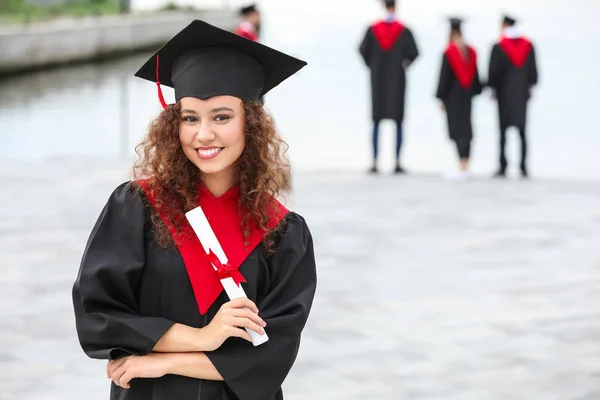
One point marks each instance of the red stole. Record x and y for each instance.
(464, 68)
(386, 33)
(517, 50)
(246, 31)
(225, 221)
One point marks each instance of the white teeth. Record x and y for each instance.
(208, 153)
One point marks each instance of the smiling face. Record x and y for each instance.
(212, 134)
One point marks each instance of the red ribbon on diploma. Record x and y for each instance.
(227, 270)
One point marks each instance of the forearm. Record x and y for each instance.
(179, 339)
(192, 365)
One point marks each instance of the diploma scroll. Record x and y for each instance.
(209, 241)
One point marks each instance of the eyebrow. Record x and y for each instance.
(214, 110)
(220, 109)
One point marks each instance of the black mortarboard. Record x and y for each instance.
(509, 21)
(203, 61)
(455, 23)
(389, 3)
(248, 9)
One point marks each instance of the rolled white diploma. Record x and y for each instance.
(209, 241)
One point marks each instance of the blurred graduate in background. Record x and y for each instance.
(250, 25)
(388, 48)
(458, 84)
(512, 74)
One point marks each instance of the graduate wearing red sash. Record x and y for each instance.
(250, 25)
(147, 297)
(457, 85)
(512, 74)
(388, 48)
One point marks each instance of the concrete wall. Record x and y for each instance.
(150, 5)
(40, 45)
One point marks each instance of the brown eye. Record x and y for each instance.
(222, 117)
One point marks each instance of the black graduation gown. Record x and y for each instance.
(129, 292)
(457, 100)
(388, 77)
(512, 85)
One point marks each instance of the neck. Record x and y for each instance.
(249, 24)
(219, 183)
(510, 32)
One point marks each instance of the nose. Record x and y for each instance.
(205, 134)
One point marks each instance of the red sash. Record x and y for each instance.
(517, 50)
(464, 68)
(244, 32)
(386, 33)
(225, 221)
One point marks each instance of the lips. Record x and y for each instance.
(208, 153)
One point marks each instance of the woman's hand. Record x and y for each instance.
(230, 321)
(124, 370)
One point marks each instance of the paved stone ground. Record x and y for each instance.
(428, 290)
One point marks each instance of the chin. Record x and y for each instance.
(208, 169)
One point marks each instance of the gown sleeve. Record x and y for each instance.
(256, 373)
(412, 51)
(445, 80)
(496, 68)
(365, 46)
(107, 318)
(532, 69)
(477, 84)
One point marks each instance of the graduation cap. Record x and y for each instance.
(203, 61)
(389, 3)
(248, 9)
(455, 23)
(507, 20)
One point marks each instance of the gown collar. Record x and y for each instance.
(232, 194)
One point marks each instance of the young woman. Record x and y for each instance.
(458, 84)
(147, 297)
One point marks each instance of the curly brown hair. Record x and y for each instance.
(263, 171)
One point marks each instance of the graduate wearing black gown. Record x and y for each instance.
(512, 74)
(388, 48)
(458, 84)
(158, 312)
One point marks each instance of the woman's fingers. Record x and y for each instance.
(247, 313)
(113, 365)
(117, 375)
(238, 314)
(241, 303)
(125, 379)
(247, 323)
(240, 333)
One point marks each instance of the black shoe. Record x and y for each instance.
(524, 173)
(399, 170)
(500, 174)
(373, 170)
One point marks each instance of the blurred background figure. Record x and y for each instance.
(512, 74)
(250, 25)
(388, 48)
(457, 85)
